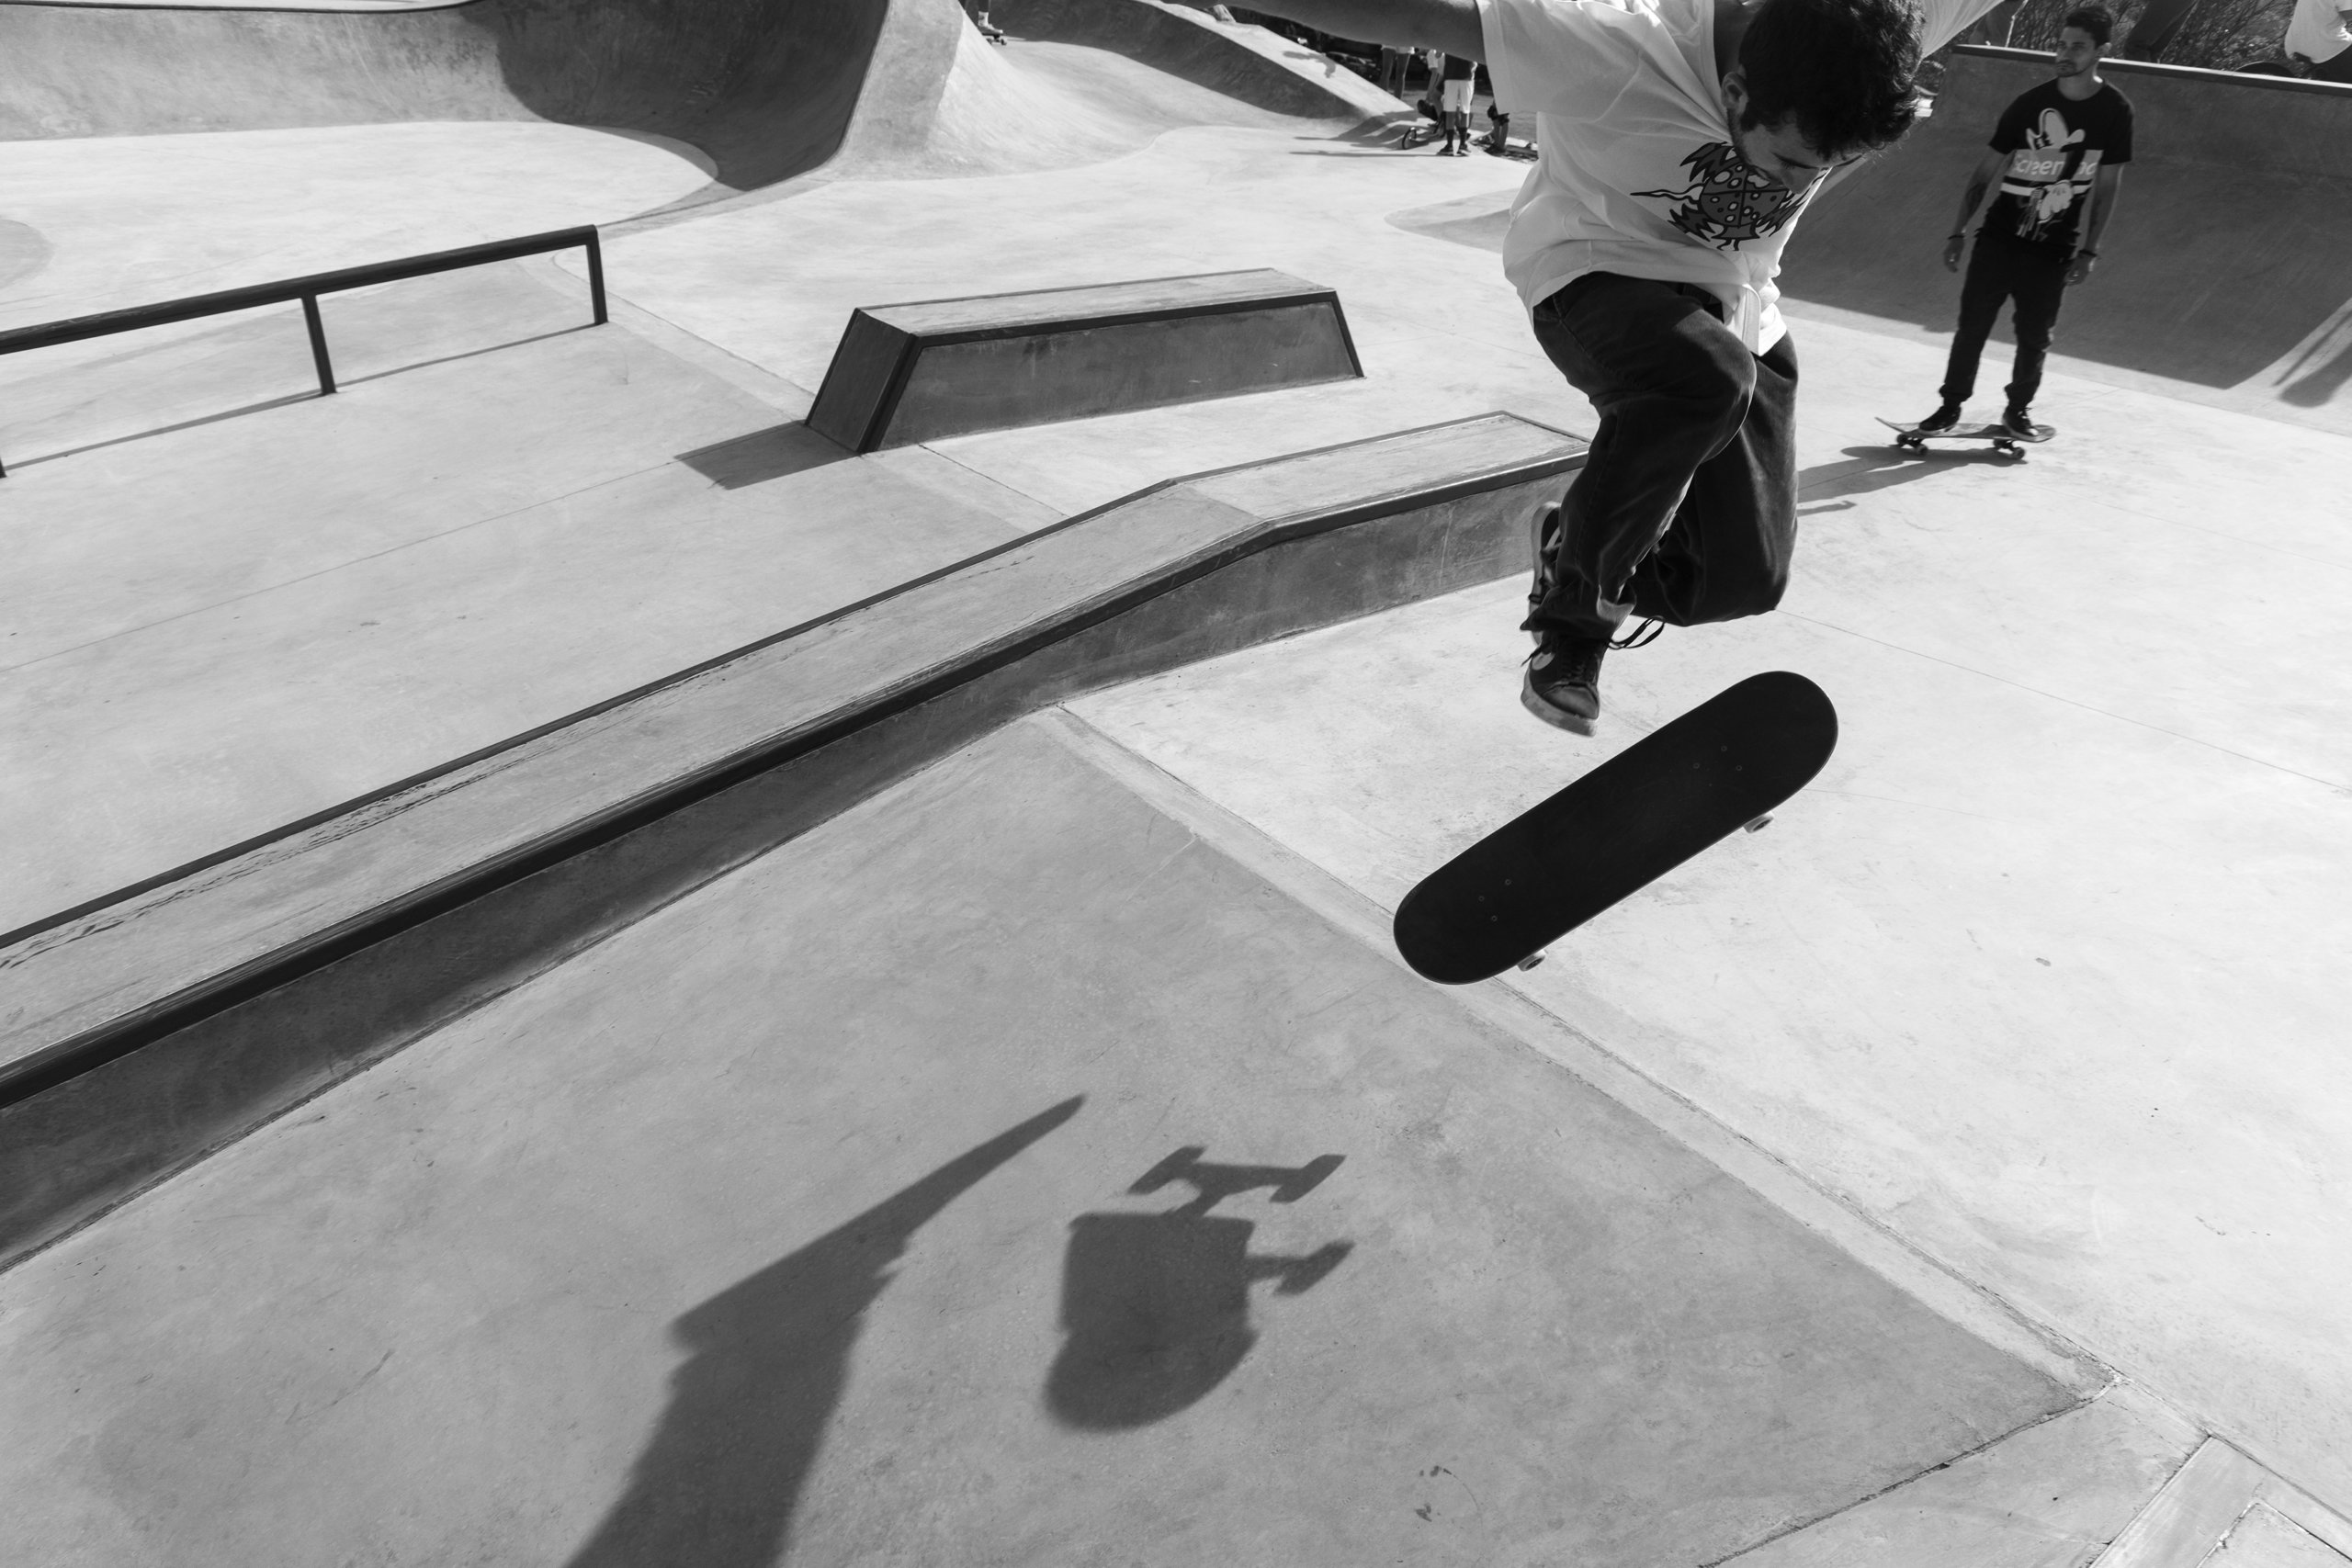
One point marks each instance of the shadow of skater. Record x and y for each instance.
(2317, 387)
(1868, 470)
(717, 1484)
(1156, 1307)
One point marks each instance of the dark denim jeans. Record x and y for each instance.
(1686, 508)
(1998, 270)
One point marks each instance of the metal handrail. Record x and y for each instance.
(16, 340)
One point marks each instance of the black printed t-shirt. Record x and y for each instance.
(2055, 145)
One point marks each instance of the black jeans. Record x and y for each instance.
(1686, 508)
(1998, 270)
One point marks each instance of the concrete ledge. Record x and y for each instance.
(141, 1035)
(911, 373)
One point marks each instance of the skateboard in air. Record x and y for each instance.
(1723, 766)
(2004, 439)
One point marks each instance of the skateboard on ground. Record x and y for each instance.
(2003, 438)
(1721, 767)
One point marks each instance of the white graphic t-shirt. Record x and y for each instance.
(2316, 32)
(1635, 170)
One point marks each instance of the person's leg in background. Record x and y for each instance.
(1981, 296)
(2037, 284)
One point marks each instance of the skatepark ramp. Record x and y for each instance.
(2223, 267)
(596, 819)
(766, 89)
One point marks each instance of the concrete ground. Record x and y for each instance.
(219, 209)
(802, 1221)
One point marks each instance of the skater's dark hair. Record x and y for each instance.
(1843, 72)
(2095, 20)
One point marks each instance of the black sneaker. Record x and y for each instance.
(1562, 683)
(2017, 421)
(1944, 418)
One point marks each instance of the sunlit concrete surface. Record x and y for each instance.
(236, 603)
(2017, 1035)
(2046, 971)
(818, 1215)
(218, 210)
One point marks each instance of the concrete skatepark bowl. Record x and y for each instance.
(2224, 266)
(736, 1002)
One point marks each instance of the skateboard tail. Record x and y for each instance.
(1620, 826)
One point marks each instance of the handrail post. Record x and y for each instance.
(13, 340)
(318, 344)
(596, 276)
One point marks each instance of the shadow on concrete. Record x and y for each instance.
(1381, 132)
(24, 251)
(2317, 387)
(718, 1483)
(238, 412)
(1156, 1307)
(1868, 470)
(344, 382)
(1478, 221)
(764, 454)
(403, 366)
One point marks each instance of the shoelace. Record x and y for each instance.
(1641, 637)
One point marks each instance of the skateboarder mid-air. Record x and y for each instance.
(2058, 154)
(1677, 141)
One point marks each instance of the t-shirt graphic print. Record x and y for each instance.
(2056, 146)
(1727, 202)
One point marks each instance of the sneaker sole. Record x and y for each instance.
(1558, 718)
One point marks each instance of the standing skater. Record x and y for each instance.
(1677, 142)
(2056, 150)
(1461, 84)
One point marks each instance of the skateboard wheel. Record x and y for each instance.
(1757, 826)
(1531, 961)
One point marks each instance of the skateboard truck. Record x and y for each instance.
(2008, 442)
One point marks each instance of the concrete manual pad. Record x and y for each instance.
(916, 1193)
